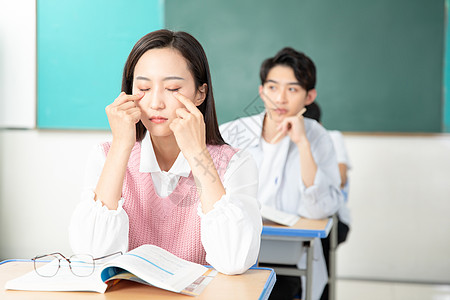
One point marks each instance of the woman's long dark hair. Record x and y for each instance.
(197, 62)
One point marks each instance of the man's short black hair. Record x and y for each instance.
(303, 67)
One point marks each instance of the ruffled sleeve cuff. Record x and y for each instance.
(97, 230)
(231, 234)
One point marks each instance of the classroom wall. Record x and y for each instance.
(399, 199)
(17, 56)
(40, 182)
(399, 195)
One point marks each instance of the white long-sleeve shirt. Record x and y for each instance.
(342, 158)
(230, 233)
(280, 180)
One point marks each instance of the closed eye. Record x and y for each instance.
(144, 90)
(173, 90)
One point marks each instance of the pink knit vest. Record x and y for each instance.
(171, 223)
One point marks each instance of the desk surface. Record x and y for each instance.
(256, 283)
(303, 228)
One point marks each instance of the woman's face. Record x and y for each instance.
(159, 73)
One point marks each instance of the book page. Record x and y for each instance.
(278, 216)
(157, 267)
(194, 289)
(64, 280)
(197, 287)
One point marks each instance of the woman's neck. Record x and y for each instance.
(166, 151)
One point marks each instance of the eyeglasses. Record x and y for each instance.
(81, 265)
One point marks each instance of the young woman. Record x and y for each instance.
(168, 178)
(298, 172)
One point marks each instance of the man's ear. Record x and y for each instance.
(261, 92)
(311, 96)
(201, 94)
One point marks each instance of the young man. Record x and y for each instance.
(298, 172)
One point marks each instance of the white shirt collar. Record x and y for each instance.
(149, 163)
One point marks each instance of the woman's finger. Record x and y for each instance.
(123, 98)
(135, 114)
(174, 124)
(187, 103)
(182, 113)
(126, 105)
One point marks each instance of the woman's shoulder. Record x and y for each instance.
(227, 153)
(224, 149)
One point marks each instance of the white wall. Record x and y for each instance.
(399, 197)
(400, 202)
(18, 64)
(40, 182)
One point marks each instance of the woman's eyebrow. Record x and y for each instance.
(173, 78)
(142, 78)
(164, 79)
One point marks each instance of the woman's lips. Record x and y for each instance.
(158, 120)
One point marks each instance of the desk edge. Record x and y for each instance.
(270, 282)
(286, 231)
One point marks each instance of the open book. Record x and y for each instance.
(147, 264)
(278, 216)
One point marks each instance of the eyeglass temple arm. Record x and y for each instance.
(57, 253)
(54, 253)
(118, 252)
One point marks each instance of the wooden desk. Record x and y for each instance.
(256, 283)
(282, 246)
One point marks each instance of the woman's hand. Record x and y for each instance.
(123, 114)
(190, 133)
(189, 128)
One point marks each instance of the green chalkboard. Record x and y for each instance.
(380, 63)
(446, 107)
(82, 48)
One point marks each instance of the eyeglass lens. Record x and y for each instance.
(46, 266)
(82, 264)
